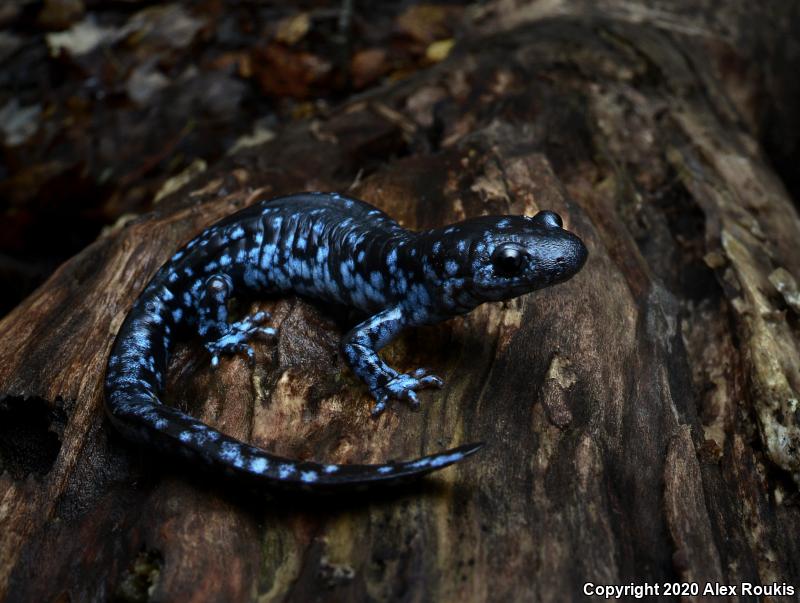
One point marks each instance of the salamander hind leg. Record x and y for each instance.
(221, 336)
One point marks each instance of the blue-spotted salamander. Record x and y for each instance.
(327, 247)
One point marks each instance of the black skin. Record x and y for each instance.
(338, 250)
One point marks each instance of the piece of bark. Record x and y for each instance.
(639, 418)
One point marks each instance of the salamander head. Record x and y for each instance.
(502, 257)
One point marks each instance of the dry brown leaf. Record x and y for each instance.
(425, 23)
(368, 65)
(60, 14)
(293, 29)
(439, 50)
(284, 72)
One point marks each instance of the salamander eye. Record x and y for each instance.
(548, 219)
(507, 260)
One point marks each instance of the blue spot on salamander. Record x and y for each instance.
(308, 476)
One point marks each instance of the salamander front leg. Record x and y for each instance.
(361, 346)
(221, 336)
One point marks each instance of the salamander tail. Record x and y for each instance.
(178, 434)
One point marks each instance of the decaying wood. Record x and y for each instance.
(640, 419)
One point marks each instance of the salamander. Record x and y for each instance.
(337, 250)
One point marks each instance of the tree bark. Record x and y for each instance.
(640, 419)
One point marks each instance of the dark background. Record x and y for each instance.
(102, 102)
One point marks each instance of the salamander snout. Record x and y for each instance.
(571, 255)
(559, 254)
(548, 219)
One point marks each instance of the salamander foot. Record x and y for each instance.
(238, 334)
(404, 387)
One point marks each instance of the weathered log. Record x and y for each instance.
(640, 419)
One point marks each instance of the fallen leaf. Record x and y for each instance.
(284, 72)
(18, 123)
(368, 65)
(259, 135)
(81, 38)
(245, 65)
(170, 25)
(439, 50)
(420, 105)
(198, 166)
(293, 29)
(304, 110)
(425, 22)
(60, 14)
(144, 83)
